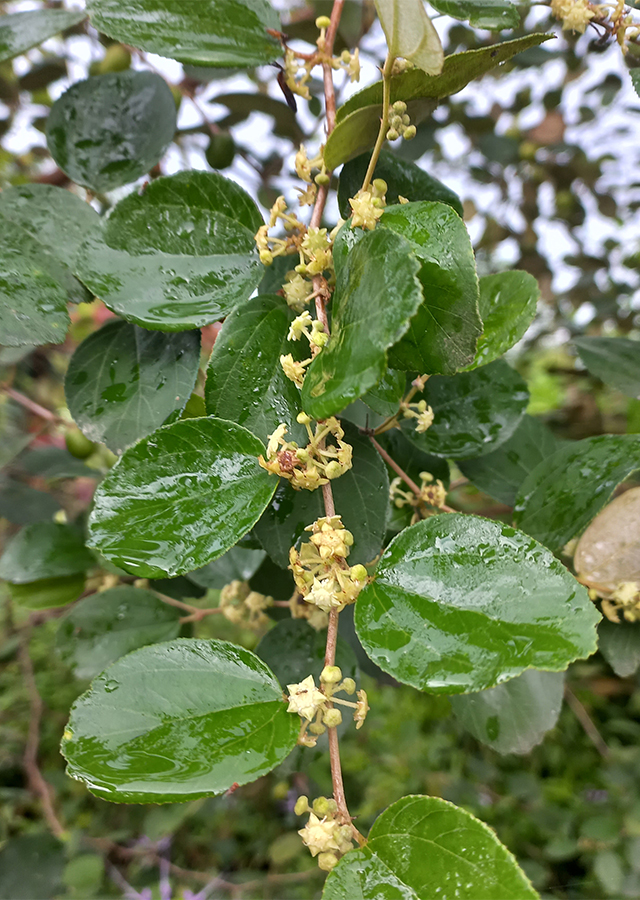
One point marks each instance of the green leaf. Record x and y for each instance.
(410, 34)
(500, 473)
(176, 721)
(23, 30)
(180, 498)
(123, 382)
(47, 593)
(620, 646)
(404, 179)
(105, 626)
(513, 717)
(209, 33)
(23, 505)
(635, 80)
(443, 333)
(461, 603)
(177, 256)
(384, 399)
(565, 492)
(411, 458)
(53, 463)
(305, 650)
(111, 129)
(237, 564)
(245, 381)
(616, 361)
(358, 120)
(378, 276)
(424, 847)
(31, 865)
(474, 412)
(361, 497)
(608, 553)
(507, 306)
(494, 15)
(44, 550)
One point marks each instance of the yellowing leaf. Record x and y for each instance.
(608, 553)
(410, 34)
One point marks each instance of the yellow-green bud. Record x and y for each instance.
(380, 187)
(266, 257)
(331, 675)
(409, 133)
(301, 269)
(358, 572)
(303, 419)
(392, 135)
(323, 22)
(333, 470)
(349, 686)
(348, 538)
(399, 107)
(302, 806)
(302, 454)
(322, 178)
(327, 861)
(317, 728)
(332, 718)
(323, 806)
(395, 122)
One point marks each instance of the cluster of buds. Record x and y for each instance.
(242, 606)
(305, 166)
(311, 466)
(315, 706)
(270, 247)
(432, 492)
(367, 206)
(575, 14)
(317, 618)
(624, 600)
(320, 570)
(313, 330)
(324, 834)
(419, 411)
(297, 73)
(400, 123)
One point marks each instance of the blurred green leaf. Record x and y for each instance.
(22, 30)
(616, 361)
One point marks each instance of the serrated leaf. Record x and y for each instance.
(111, 129)
(384, 399)
(305, 651)
(410, 34)
(237, 564)
(105, 626)
(245, 381)
(513, 717)
(494, 15)
(379, 274)
(461, 604)
(474, 412)
(565, 492)
(501, 473)
(176, 721)
(620, 646)
(209, 33)
(44, 550)
(123, 381)
(47, 593)
(22, 30)
(507, 305)
(180, 498)
(608, 553)
(426, 847)
(177, 256)
(443, 333)
(616, 361)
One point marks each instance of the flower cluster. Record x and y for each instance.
(432, 493)
(241, 605)
(367, 206)
(315, 706)
(324, 834)
(270, 247)
(400, 123)
(311, 466)
(419, 411)
(625, 601)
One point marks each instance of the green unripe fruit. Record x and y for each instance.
(349, 686)
(323, 806)
(302, 805)
(78, 445)
(221, 150)
(116, 59)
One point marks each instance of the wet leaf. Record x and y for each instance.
(123, 381)
(513, 717)
(237, 564)
(616, 361)
(507, 306)
(422, 847)
(111, 129)
(176, 721)
(384, 399)
(44, 550)
(410, 34)
(105, 626)
(47, 593)
(180, 498)
(178, 256)
(620, 646)
(305, 650)
(494, 15)
(22, 30)
(608, 553)
(461, 604)
(209, 33)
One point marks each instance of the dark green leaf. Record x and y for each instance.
(384, 399)
(180, 498)
(123, 382)
(31, 865)
(507, 305)
(424, 847)
(23, 30)
(411, 459)
(54, 462)
(474, 412)
(23, 505)
(237, 564)
(105, 626)
(500, 474)
(620, 646)
(44, 550)
(565, 492)
(616, 361)
(210, 32)
(461, 603)
(176, 721)
(379, 275)
(635, 80)
(404, 179)
(293, 647)
(47, 593)
(177, 256)
(442, 336)
(513, 717)
(361, 497)
(245, 381)
(494, 15)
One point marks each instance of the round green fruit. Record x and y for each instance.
(221, 150)
(78, 445)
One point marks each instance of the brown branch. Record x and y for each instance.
(586, 721)
(407, 480)
(33, 407)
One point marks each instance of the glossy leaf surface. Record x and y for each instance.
(44, 550)
(442, 335)
(513, 717)
(500, 473)
(461, 603)
(620, 646)
(178, 256)
(22, 30)
(105, 626)
(47, 593)
(237, 564)
(179, 720)
(507, 305)
(565, 492)
(305, 649)
(616, 361)
(474, 412)
(384, 399)
(491, 14)
(410, 34)
(245, 381)
(208, 33)
(180, 498)
(608, 553)
(111, 129)
(426, 847)
(379, 274)
(123, 381)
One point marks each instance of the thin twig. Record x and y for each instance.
(401, 472)
(384, 121)
(33, 407)
(586, 721)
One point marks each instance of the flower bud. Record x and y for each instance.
(302, 806)
(409, 133)
(303, 419)
(324, 806)
(380, 187)
(359, 573)
(333, 469)
(302, 454)
(323, 22)
(317, 728)
(392, 134)
(332, 718)
(266, 257)
(322, 178)
(399, 107)
(327, 861)
(331, 675)
(349, 686)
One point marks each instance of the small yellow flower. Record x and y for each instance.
(276, 439)
(305, 699)
(299, 326)
(362, 708)
(365, 214)
(292, 369)
(320, 835)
